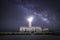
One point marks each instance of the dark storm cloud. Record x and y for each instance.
(15, 13)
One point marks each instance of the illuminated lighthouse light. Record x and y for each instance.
(30, 19)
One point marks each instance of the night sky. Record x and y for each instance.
(14, 13)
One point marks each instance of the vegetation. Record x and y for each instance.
(29, 33)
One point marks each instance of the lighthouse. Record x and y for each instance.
(30, 19)
(30, 28)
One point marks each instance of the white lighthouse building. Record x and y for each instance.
(30, 28)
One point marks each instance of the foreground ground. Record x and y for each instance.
(29, 37)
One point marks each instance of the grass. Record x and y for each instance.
(30, 33)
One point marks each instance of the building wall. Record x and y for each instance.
(36, 29)
(45, 30)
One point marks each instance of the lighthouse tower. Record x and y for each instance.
(30, 21)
